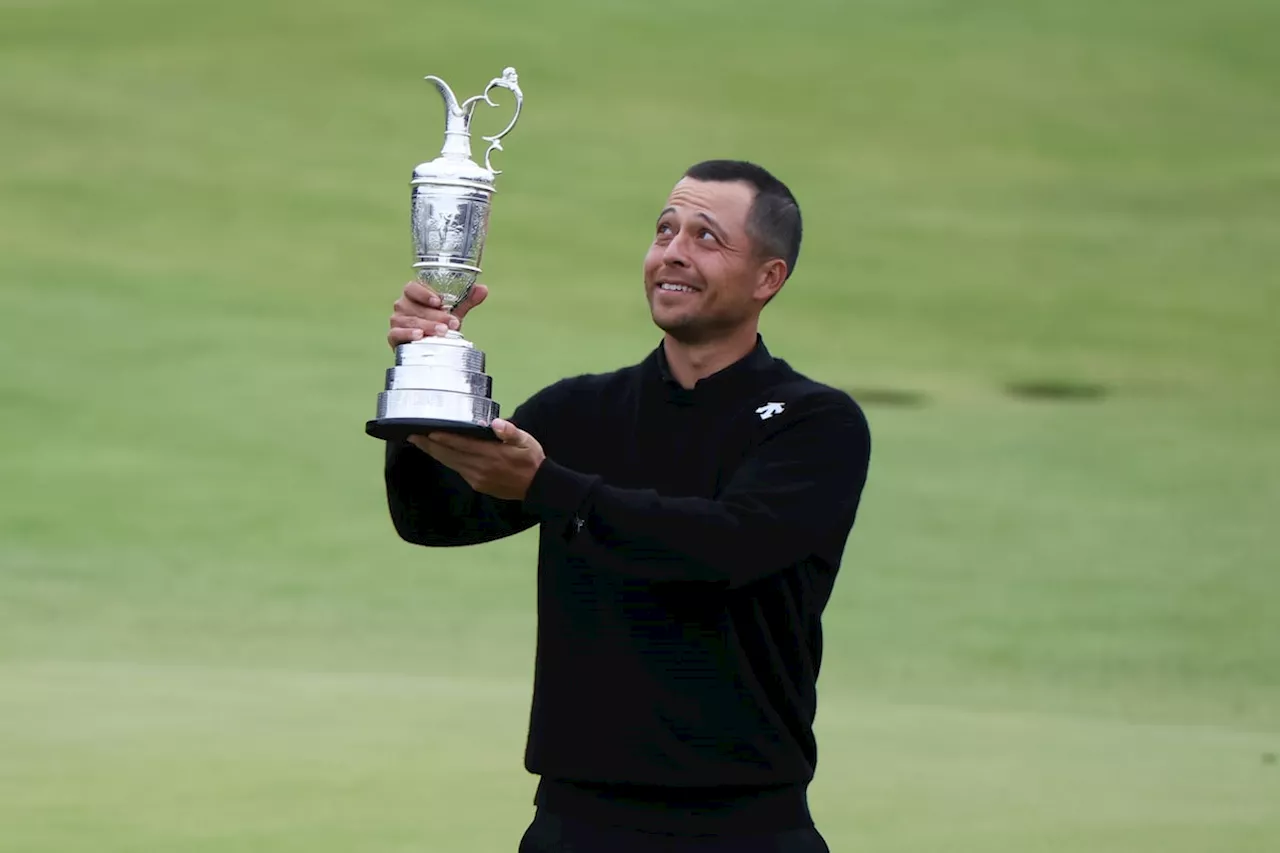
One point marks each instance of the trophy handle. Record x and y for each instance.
(508, 80)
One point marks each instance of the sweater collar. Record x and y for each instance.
(739, 375)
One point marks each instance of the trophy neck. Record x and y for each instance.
(457, 138)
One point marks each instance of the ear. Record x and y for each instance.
(770, 278)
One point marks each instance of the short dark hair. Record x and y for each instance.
(774, 221)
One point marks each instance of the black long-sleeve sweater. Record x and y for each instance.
(689, 542)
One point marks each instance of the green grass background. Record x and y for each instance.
(1056, 627)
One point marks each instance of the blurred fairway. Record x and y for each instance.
(1056, 629)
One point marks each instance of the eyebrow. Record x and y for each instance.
(711, 220)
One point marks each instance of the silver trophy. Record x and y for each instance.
(439, 383)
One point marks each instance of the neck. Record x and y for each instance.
(692, 361)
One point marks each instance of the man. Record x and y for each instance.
(693, 511)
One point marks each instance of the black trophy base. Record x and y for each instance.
(399, 429)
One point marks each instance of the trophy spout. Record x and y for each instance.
(457, 122)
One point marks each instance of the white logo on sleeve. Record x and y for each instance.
(768, 410)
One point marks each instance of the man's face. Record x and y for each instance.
(702, 274)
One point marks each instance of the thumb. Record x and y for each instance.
(509, 433)
(474, 298)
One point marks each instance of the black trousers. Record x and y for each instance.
(551, 833)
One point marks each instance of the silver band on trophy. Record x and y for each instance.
(439, 382)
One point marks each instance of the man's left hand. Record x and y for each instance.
(503, 468)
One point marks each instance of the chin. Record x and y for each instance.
(686, 330)
(669, 321)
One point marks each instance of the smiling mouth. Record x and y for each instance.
(676, 288)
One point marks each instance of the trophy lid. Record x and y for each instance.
(452, 170)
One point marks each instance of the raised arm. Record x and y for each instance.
(430, 504)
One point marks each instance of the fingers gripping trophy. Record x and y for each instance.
(439, 382)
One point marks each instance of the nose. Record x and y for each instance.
(675, 254)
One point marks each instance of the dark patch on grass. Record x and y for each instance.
(887, 397)
(1058, 390)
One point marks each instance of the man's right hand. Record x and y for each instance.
(418, 313)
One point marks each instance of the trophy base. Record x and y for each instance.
(438, 384)
(399, 429)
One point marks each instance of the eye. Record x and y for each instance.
(664, 228)
(706, 234)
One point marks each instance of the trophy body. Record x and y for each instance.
(439, 382)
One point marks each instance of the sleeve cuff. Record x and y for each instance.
(557, 491)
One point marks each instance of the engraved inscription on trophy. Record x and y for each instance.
(439, 381)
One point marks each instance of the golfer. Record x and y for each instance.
(692, 510)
